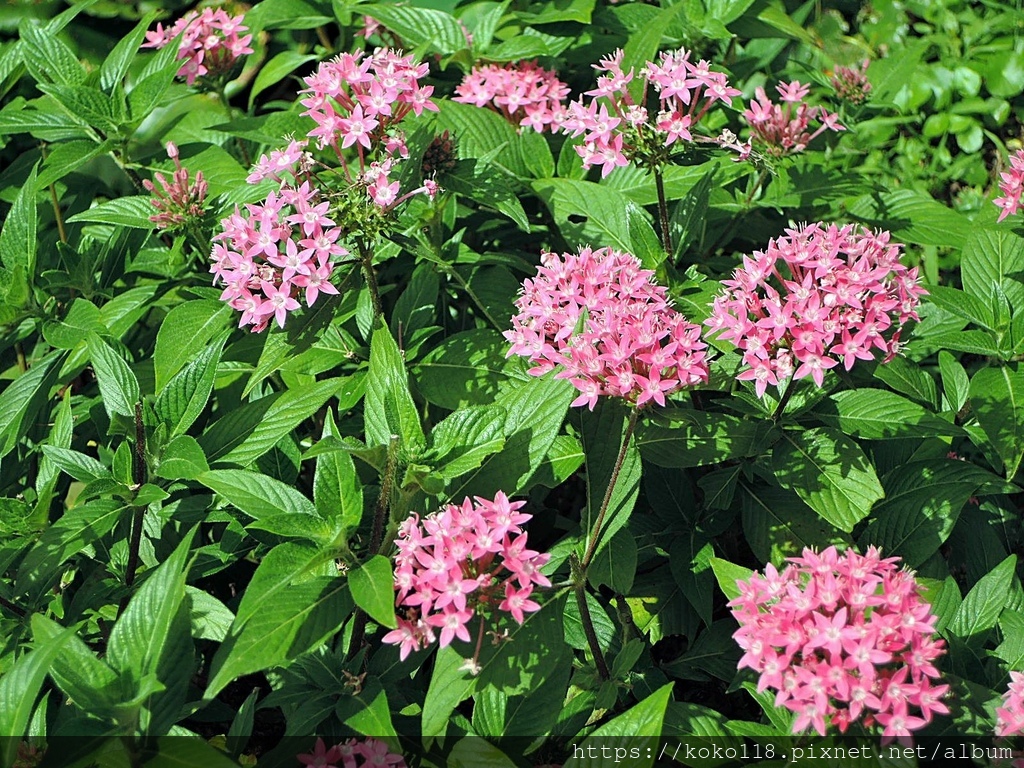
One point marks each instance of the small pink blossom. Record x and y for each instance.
(820, 296)
(631, 343)
(211, 42)
(851, 83)
(783, 129)
(1010, 716)
(459, 563)
(830, 634)
(1012, 186)
(353, 753)
(179, 200)
(523, 92)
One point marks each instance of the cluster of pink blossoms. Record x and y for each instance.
(819, 296)
(524, 93)
(784, 129)
(358, 101)
(1012, 186)
(352, 753)
(179, 200)
(211, 42)
(841, 639)
(632, 343)
(1010, 716)
(617, 130)
(280, 247)
(851, 83)
(460, 561)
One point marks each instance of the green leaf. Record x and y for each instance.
(482, 134)
(81, 467)
(830, 473)
(256, 495)
(131, 212)
(186, 330)
(24, 398)
(46, 57)
(424, 29)
(962, 304)
(922, 502)
(390, 409)
(367, 711)
(290, 621)
(615, 564)
(373, 589)
(696, 438)
(83, 678)
(993, 258)
(875, 414)
(275, 70)
(19, 689)
(82, 318)
(19, 236)
(75, 530)
(636, 731)
(337, 490)
(488, 185)
(116, 63)
(118, 386)
(982, 606)
(913, 217)
(778, 524)
(604, 212)
(997, 399)
(466, 368)
(184, 397)
(246, 433)
(450, 685)
(955, 384)
(474, 752)
(182, 459)
(727, 574)
(535, 412)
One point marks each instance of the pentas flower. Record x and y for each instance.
(211, 42)
(460, 562)
(599, 318)
(524, 93)
(617, 130)
(842, 638)
(784, 129)
(851, 83)
(818, 297)
(352, 753)
(179, 200)
(1010, 716)
(276, 253)
(1012, 186)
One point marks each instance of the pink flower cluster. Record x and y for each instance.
(784, 129)
(1010, 716)
(599, 317)
(524, 93)
(1012, 186)
(352, 753)
(819, 296)
(279, 247)
(178, 200)
(617, 130)
(851, 83)
(211, 42)
(841, 639)
(460, 561)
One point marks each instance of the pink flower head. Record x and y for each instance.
(851, 83)
(631, 343)
(1012, 186)
(820, 296)
(617, 130)
(211, 42)
(353, 753)
(463, 561)
(841, 638)
(179, 200)
(784, 129)
(1010, 716)
(524, 93)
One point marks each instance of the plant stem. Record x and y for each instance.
(666, 235)
(16, 610)
(380, 516)
(588, 628)
(784, 400)
(619, 460)
(138, 480)
(371, 279)
(19, 353)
